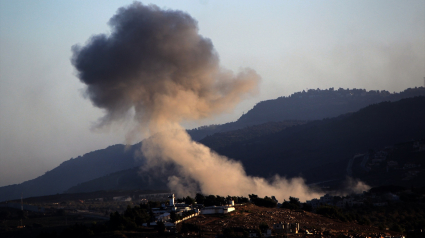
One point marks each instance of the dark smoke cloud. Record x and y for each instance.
(155, 63)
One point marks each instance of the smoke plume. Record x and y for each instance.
(351, 186)
(155, 66)
(155, 63)
(213, 173)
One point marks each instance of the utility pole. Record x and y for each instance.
(22, 207)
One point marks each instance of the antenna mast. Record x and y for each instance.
(22, 208)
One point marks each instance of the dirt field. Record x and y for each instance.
(251, 216)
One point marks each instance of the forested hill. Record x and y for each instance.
(307, 105)
(320, 150)
(318, 104)
(74, 171)
(317, 150)
(227, 138)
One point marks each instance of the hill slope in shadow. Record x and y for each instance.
(320, 150)
(317, 150)
(74, 171)
(307, 105)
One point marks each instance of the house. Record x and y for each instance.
(164, 217)
(122, 198)
(253, 233)
(315, 203)
(267, 233)
(217, 210)
(282, 227)
(327, 199)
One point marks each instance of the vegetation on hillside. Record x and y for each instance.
(313, 104)
(320, 150)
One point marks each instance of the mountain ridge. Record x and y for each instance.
(74, 171)
(314, 104)
(306, 155)
(374, 126)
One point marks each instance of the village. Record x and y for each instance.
(354, 200)
(249, 220)
(228, 217)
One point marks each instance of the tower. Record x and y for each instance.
(171, 197)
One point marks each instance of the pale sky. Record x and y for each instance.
(293, 45)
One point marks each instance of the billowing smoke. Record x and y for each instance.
(214, 174)
(155, 63)
(155, 66)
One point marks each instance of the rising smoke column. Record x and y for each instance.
(155, 64)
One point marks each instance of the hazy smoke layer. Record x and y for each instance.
(156, 64)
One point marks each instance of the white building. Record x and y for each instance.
(217, 210)
(171, 197)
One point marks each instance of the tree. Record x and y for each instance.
(173, 216)
(263, 202)
(160, 227)
(252, 196)
(188, 200)
(294, 200)
(228, 232)
(332, 212)
(200, 199)
(396, 227)
(263, 227)
(307, 207)
(293, 203)
(23, 214)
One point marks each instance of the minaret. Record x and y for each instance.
(171, 197)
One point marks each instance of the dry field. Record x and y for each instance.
(250, 217)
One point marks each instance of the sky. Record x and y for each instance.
(292, 45)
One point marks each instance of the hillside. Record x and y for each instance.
(249, 217)
(314, 104)
(135, 178)
(319, 104)
(74, 171)
(250, 132)
(245, 221)
(401, 164)
(320, 150)
(127, 179)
